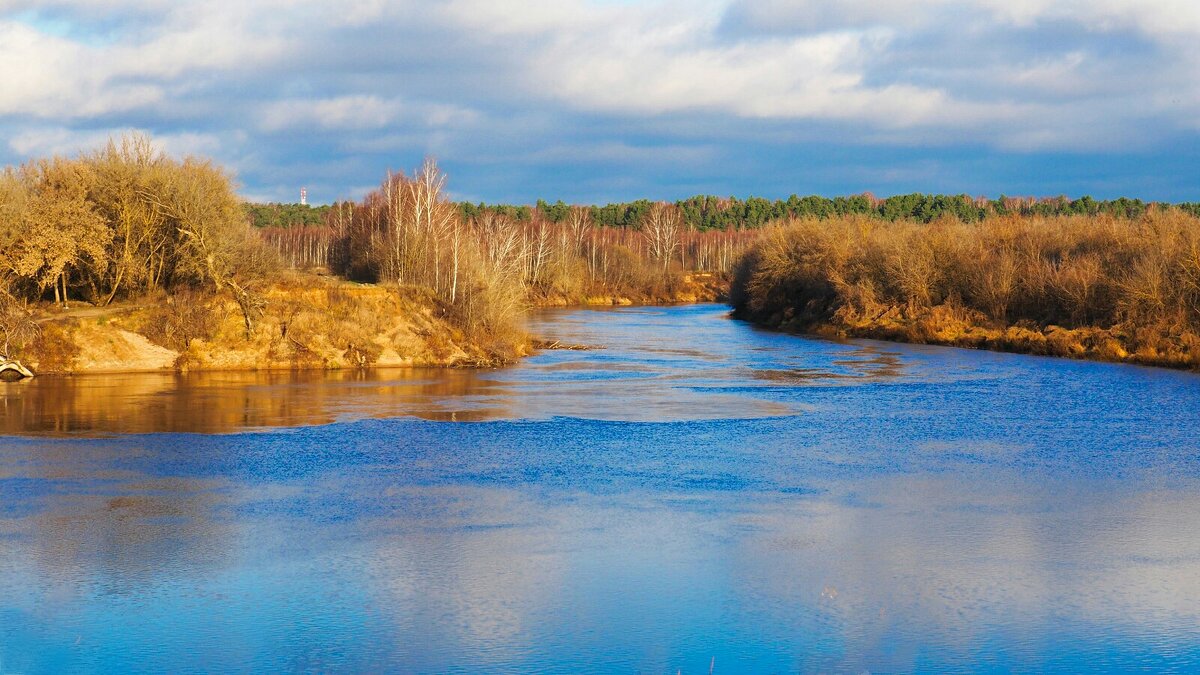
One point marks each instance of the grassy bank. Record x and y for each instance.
(1096, 287)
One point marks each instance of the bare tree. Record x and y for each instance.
(17, 327)
(142, 241)
(661, 229)
(216, 244)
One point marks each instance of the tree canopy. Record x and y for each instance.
(710, 212)
(122, 220)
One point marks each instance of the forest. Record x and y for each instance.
(707, 212)
(275, 214)
(488, 268)
(406, 231)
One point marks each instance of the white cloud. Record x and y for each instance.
(1157, 18)
(346, 112)
(43, 142)
(495, 76)
(634, 59)
(48, 76)
(358, 112)
(1154, 17)
(50, 140)
(853, 61)
(56, 77)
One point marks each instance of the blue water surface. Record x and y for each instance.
(696, 495)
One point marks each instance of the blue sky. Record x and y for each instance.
(592, 101)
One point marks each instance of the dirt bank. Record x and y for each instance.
(306, 322)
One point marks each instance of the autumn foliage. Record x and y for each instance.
(124, 221)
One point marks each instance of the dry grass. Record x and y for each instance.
(54, 349)
(486, 270)
(174, 320)
(1096, 287)
(312, 322)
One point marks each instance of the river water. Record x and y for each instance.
(698, 495)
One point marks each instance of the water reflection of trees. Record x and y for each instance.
(233, 401)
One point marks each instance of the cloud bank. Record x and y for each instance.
(590, 101)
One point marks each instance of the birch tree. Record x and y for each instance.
(661, 229)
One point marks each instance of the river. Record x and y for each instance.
(697, 495)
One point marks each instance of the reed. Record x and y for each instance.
(1096, 286)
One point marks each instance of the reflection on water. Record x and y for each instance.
(673, 499)
(657, 380)
(232, 401)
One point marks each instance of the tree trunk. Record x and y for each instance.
(454, 282)
(116, 285)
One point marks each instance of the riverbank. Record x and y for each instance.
(956, 327)
(686, 289)
(1082, 287)
(304, 322)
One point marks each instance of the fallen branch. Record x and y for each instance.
(13, 370)
(546, 344)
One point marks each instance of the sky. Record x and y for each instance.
(594, 101)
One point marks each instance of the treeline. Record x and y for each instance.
(1096, 285)
(707, 212)
(274, 214)
(488, 264)
(121, 222)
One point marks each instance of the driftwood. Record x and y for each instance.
(546, 344)
(13, 370)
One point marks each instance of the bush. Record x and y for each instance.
(175, 320)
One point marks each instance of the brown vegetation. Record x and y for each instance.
(120, 223)
(169, 240)
(1096, 287)
(488, 267)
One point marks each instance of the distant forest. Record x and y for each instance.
(708, 212)
(285, 215)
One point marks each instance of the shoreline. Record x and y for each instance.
(1092, 344)
(1079, 344)
(113, 341)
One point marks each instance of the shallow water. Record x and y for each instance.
(696, 494)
